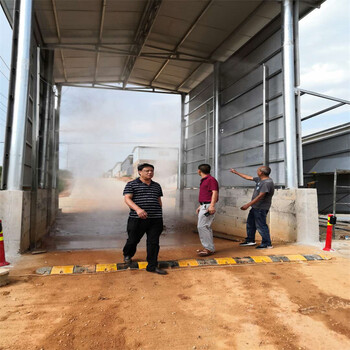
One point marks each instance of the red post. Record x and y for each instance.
(328, 246)
(3, 261)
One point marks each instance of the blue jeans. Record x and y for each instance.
(257, 221)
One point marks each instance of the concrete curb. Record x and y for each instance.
(4, 277)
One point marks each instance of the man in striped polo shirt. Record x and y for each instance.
(143, 197)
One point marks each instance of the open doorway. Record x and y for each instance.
(104, 135)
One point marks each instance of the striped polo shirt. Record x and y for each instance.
(146, 197)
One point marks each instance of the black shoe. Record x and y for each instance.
(264, 246)
(158, 270)
(127, 260)
(247, 243)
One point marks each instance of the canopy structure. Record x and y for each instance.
(235, 64)
(157, 44)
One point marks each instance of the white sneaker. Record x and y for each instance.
(246, 243)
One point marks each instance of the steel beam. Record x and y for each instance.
(103, 11)
(290, 123)
(143, 31)
(189, 31)
(323, 111)
(327, 97)
(7, 12)
(124, 53)
(18, 128)
(106, 87)
(213, 52)
(59, 37)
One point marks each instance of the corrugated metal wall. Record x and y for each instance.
(30, 121)
(240, 113)
(199, 131)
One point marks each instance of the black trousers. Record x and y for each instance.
(136, 229)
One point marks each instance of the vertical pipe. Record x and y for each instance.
(216, 119)
(297, 84)
(180, 176)
(17, 143)
(207, 139)
(334, 198)
(35, 132)
(56, 138)
(291, 166)
(45, 132)
(265, 119)
(50, 159)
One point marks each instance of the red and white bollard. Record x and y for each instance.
(3, 261)
(330, 222)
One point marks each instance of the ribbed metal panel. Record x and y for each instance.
(240, 113)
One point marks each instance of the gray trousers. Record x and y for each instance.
(204, 228)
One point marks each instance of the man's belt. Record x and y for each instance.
(201, 203)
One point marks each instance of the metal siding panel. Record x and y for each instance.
(241, 115)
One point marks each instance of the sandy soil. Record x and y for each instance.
(267, 306)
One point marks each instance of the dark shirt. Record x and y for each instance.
(206, 188)
(146, 197)
(263, 186)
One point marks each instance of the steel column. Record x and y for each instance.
(17, 143)
(334, 199)
(291, 165)
(216, 119)
(181, 173)
(297, 83)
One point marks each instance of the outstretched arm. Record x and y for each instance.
(244, 176)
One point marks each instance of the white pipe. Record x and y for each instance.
(265, 119)
(16, 154)
(216, 119)
(290, 163)
(180, 176)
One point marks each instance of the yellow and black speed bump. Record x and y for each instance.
(141, 265)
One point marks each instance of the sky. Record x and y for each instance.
(102, 127)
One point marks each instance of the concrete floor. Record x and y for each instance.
(94, 216)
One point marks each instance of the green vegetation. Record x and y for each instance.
(64, 176)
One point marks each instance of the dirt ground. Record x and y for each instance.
(277, 306)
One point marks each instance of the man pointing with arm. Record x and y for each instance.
(260, 203)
